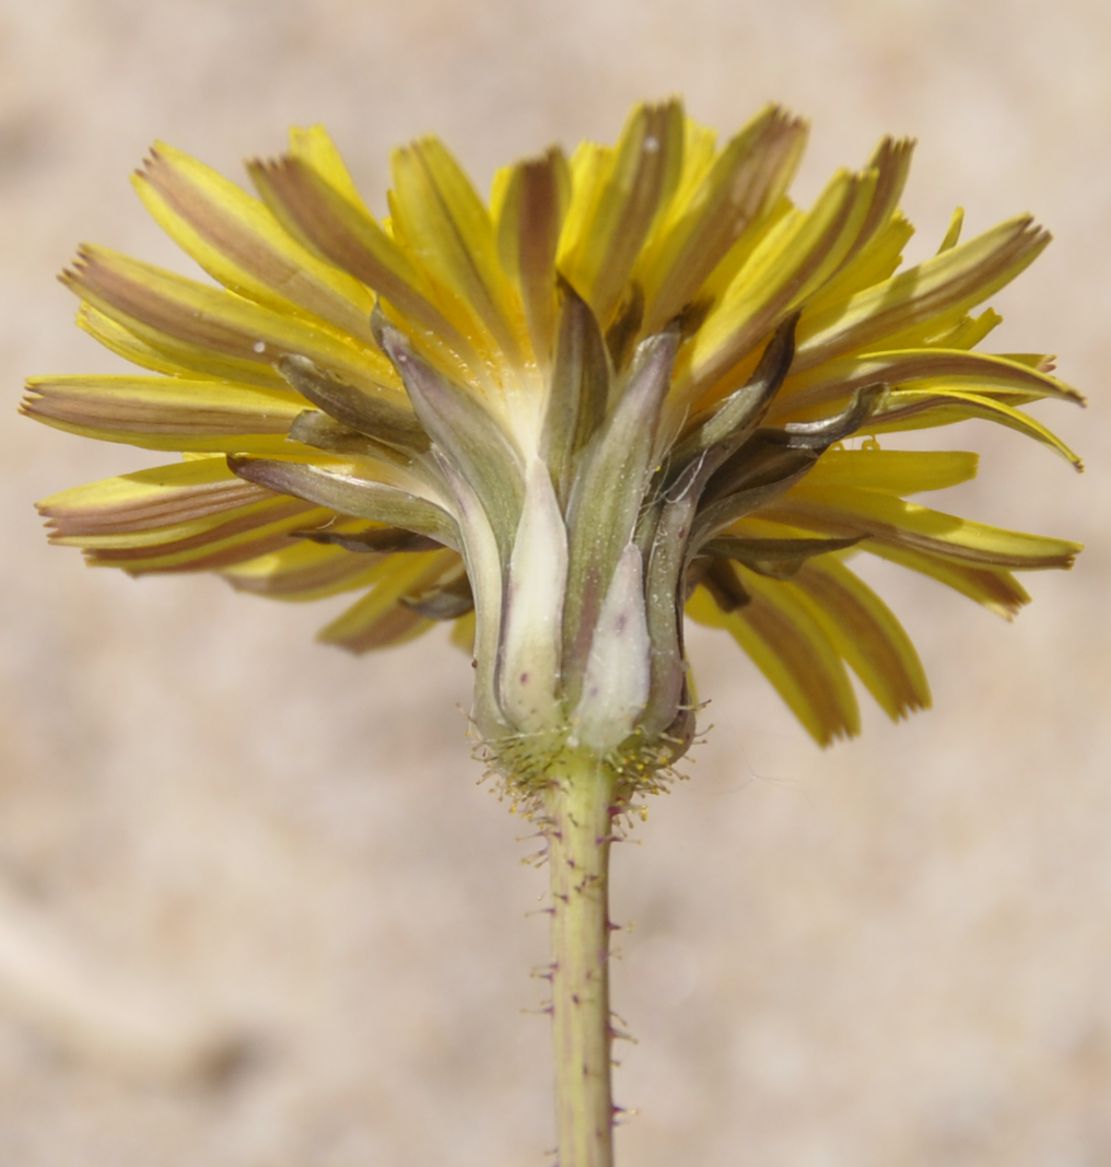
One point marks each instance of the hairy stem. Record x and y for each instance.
(579, 807)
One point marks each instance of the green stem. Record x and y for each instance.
(579, 807)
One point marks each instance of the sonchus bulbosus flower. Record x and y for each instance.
(620, 390)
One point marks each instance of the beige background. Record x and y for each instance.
(893, 953)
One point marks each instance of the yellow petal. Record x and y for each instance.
(166, 413)
(941, 289)
(529, 215)
(591, 165)
(191, 516)
(792, 260)
(966, 332)
(778, 631)
(164, 497)
(462, 633)
(237, 240)
(699, 151)
(953, 232)
(380, 618)
(124, 343)
(340, 229)
(812, 392)
(910, 409)
(876, 250)
(745, 181)
(222, 334)
(213, 543)
(306, 571)
(438, 215)
(994, 588)
(618, 212)
(865, 633)
(313, 146)
(891, 471)
(848, 511)
(871, 265)
(890, 164)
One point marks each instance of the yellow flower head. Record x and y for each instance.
(619, 390)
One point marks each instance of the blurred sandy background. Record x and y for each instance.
(893, 953)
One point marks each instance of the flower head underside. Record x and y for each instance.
(626, 388)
